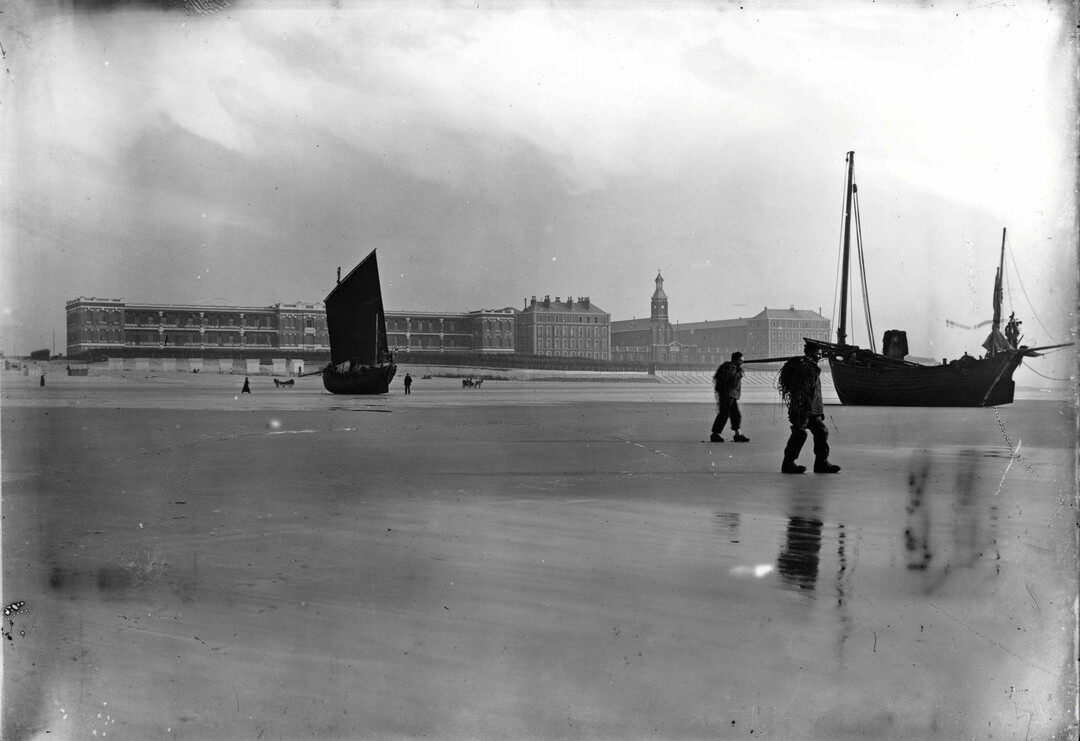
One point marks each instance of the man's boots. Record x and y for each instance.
(790, 466)
(825, 467)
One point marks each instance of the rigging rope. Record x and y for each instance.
(862, 274)
(1030, 305)
(1048, 378)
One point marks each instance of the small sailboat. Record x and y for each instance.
(868, 378)
(360, 358)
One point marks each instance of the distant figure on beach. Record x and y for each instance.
(408, 383)
(247, 387)
(727, 382)
(799, 383)
(42, 380)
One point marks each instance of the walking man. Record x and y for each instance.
(800, 388)
(727, 381)
(247, 387)
(408, 383)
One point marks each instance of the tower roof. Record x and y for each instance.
(659, 292)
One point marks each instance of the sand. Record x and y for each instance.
(527, 560)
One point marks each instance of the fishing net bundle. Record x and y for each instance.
(722, 379)
(795, 382)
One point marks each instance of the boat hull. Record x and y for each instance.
(367, 379)
(966, 383)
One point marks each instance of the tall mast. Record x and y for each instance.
(841, 331)
(997, 286)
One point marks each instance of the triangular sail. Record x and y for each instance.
(355, 319)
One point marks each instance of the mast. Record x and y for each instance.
(997, 286)
(841, 331)
(996, 342)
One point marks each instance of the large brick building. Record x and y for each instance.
(483, 331)
(556, 328)
(770, 333)
(113, 327)
(565, 329)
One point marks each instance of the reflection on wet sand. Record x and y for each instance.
(513, 569)
(938, 547)
(730, 522)
(798, 559)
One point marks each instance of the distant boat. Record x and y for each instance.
(360, 358)
(868, 378)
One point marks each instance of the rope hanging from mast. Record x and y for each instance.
(862, 270)
(1031, 306)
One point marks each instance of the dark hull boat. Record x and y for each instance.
(371, 379)
(360, 359)
(863, 378)
(868, 378)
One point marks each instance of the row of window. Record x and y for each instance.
(567, 354)
(154, 319)
(298, 322)
(397, 324)
(211, 339)
(454, 341)
(571, 318)
(549, 330)
(571, 344)
(789, 323)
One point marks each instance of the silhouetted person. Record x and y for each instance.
(247, 387)
(1012, 330)
(408, 383)
(800, 388)
(727, 382)
(42, 380)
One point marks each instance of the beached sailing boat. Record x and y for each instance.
(360, 358)
(868, 378)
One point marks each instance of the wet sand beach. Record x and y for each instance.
(527, 560)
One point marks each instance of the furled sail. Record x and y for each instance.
(995, 342)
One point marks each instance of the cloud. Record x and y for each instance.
(498, 153)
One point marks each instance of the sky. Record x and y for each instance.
(492, 152)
